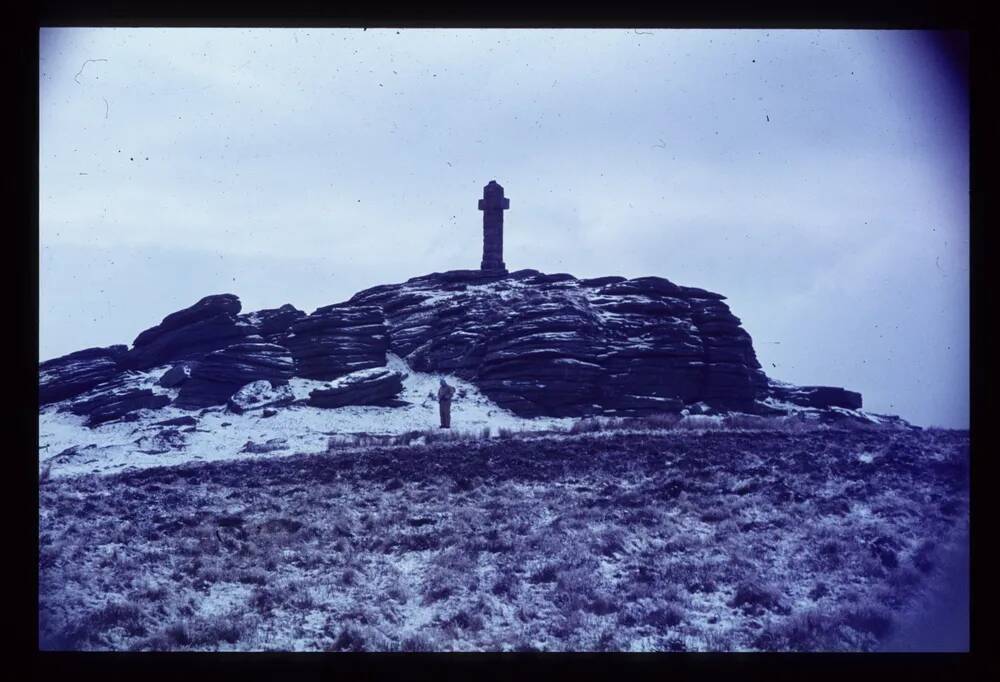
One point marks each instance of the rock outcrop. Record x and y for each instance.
(375, 386)
(816, 396)
(536, 344)
(338, 339)
(554, 345)
(118, 398)
(222, 373)
(272, 323)
(175, 376)
(260, 394)
(73, 374)
(190, 334)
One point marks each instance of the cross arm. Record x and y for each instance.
(503, 204)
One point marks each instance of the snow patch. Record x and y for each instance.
(785, 406)
(573, 361)
(301, 388)
(702, 420)
(221, 434)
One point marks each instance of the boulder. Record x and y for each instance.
(161, 442)
(643, 286)
(268, 446)
(260, 394)
(375, 386)
(272, 323)
(189, 334)
(224, 372)
(817, 396)
(542, 278)
(71, 453)
(601, 281)
(207, 308)
(336, 340)
(70, 375)
(186, 420)
(175, 376)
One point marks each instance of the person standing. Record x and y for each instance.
(445, 393)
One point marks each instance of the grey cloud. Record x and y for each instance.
(295, 166)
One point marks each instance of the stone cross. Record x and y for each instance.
(493, 204)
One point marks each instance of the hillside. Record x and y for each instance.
(621, 475)
(525, 350)
(823, 539)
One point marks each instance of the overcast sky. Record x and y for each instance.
(818, 179)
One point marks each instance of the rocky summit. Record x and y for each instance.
(552, 344)
(536, 344)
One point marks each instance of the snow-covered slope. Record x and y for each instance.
(67, 447)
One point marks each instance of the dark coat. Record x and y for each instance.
(445, 393)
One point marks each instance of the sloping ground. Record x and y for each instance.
(68, 447)
(167, 436)
(609, 541)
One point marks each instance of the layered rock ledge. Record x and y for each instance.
(537, 344)
(556, 345)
